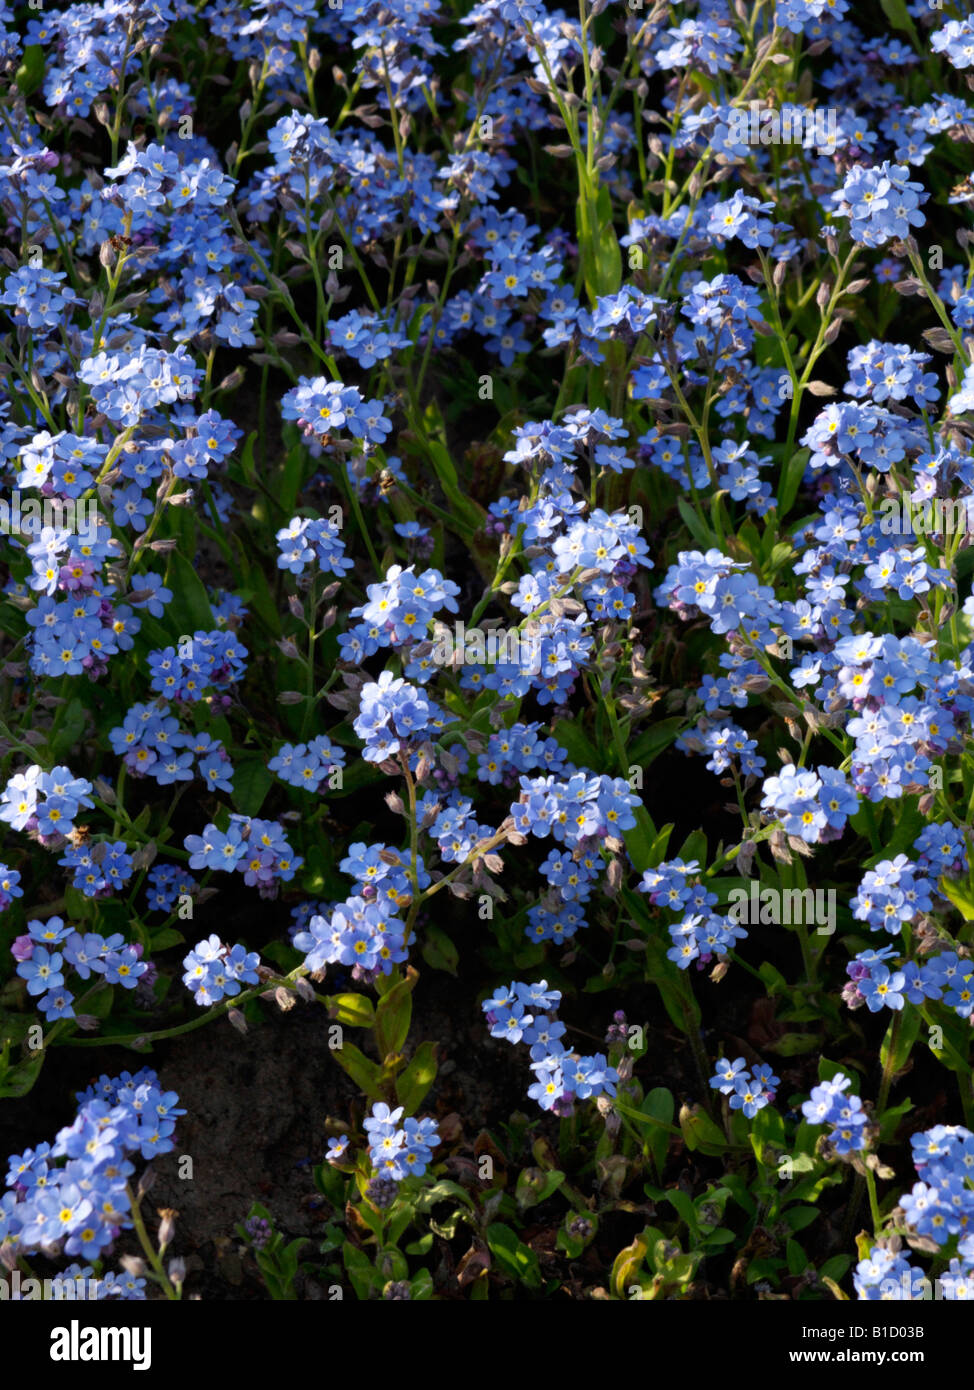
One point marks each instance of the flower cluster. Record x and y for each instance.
(79, 1206)
(52, 950)
(399, 1153)
(214, 971)
(307, 539)
(393, 716)
(747, 1092)
(44, 803)
(700, 934)
(707, 488)
(256, 848)
(308, 765)
(526, 1013)
(151, 743)
(829, 1105)
(939, 1207)
(364, 934)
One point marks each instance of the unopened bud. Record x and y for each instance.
(611, 1116)
(756, 684)
(167, 1226)
(744, 858)
(778, 845)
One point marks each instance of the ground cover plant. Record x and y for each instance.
(487, 657)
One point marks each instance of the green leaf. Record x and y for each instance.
(251, 783)
(364, 1073)
(282, 954)
(896, 12)
(398, 1224)
(439, 951)
(791, 476)
(189, 609)
(247, 467)
(960, 895)
(794, 1043)
(890, 1120)
(797, 1218)
(738, 1189)
(836, 1268)
(261, 598)
(717, 1238)
(659, 1105)
(513, 1256)
(579, 748)
(422, 1246)
(17, 1081)
(463, 509)
(164, 937)
(827, 1069)
(797, 1259)
(779, 554)
(413, 1084)
(359, 1268)
(700, 1132)
(641, 841)
(698, 530)
(678, 1199)
(655, 739)
(767, 1127)
(99, 1004)
(535, 1186)
(658, 851)
(442, 1191)
(694, 847)
(627, 1267)
(678, 998)
(292, 478)
(352, 1010)
(598, 245)
(30, 74)
(393, 1016)
(906, 1035)
(69, 734)
(77, 906)
(773, 978)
